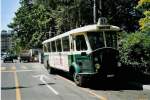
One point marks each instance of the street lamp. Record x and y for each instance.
(95, 10)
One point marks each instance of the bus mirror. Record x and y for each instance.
(83, 53)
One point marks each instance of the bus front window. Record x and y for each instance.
(96, 40)
(111, 39)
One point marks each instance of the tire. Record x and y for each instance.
(78, 79)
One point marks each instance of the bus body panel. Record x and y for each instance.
(59, 61)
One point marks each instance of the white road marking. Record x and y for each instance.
(42, 80)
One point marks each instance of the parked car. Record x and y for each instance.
(8, 58)
(15, 57)
(2, 57)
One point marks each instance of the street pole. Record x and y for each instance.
(100, 7)
(94, 12)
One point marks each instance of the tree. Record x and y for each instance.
(31, 24)
(144, 7)
(135, 49)
(37, 20)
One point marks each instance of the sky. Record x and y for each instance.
(8, 9)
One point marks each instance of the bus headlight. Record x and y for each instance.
(97, 66)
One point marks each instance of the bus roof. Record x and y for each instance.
(88, 28)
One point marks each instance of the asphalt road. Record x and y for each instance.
(31, 81)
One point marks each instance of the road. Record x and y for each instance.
(31, 81)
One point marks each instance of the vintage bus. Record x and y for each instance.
(84, 52)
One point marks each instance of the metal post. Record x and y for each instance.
(50, 32)
(94, 11)
(100, 4)
(100, 7)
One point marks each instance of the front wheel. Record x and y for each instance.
(78, 79)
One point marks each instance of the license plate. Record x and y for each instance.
(110, 75)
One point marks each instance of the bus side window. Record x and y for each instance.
(72, 44)
(58, 44)
(53, 46)
(80, 43)
(49, 47)
(65, 42)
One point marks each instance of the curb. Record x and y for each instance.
(146, 87)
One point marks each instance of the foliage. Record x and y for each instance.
(145, 22)
(37, 20)
(144, 7)
(135, 47)
(122, 13)
(31, 23)
(135, 50)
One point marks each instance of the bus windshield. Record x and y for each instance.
(96, 39)
(111, 39)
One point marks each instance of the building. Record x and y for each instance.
(6, 40)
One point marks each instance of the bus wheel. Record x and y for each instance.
(78, 79)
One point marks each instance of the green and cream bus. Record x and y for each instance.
(84, 52)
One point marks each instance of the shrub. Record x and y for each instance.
(135, 50)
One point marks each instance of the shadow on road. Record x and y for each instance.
(126, 81)
(46, 84)
(114, 85)
(10, 88)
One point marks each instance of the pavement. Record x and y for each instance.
(31, 81)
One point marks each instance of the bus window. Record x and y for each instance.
(96, 40)
(49, 47)
(65, 42)
(111, 39)
(53, 46)
(80, 43)
(58, 44)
